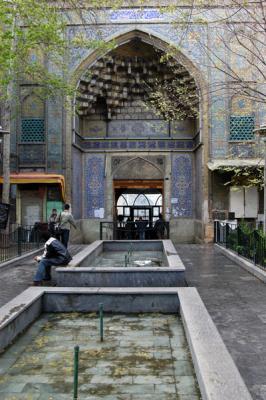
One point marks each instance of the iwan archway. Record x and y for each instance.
(122, 134)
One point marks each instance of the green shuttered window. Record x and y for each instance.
(32, 130)
(241, 127)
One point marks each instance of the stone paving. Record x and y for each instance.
(236, 302)
(141, 357)
(18, 276)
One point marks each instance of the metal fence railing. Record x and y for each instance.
(114, 230)
(19, 240)
(244, 241)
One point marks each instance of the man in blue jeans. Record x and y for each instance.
(55, 253)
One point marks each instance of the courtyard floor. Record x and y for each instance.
(235, 300)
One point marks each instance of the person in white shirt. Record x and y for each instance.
(54, 253)
(65, 220)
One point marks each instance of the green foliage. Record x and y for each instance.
(245, 176)
(29, 32)
(175, 98)
(33, 36)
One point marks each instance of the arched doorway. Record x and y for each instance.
(135, 199)
(138, 185)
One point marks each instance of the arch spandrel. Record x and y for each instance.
(138, 168)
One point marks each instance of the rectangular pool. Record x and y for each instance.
(124, 263)
(143, 356)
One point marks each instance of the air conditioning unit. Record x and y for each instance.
(231, 216)
(219, 215)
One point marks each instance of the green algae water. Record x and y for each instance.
(143, 356)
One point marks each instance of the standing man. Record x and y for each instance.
(65, 220)
(52, 221)
(159, 228)
(141, 228)
(54, 254)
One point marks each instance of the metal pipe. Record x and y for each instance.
(76, 372)
(264, 218)
(101, 320)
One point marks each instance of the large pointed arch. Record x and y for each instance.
(163, 43)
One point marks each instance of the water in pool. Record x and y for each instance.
(143, 356)
(134, 259)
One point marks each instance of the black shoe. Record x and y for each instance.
(49, 283)
(37, 283)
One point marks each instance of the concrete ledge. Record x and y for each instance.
(18, 314)
(124, 300)
(25, 255)
(243, 262)
(119, 277)
(218, 376)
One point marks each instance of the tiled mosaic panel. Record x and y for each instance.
(198, 183)
(138, 128)
(218, 127)
(242, 150)
(77, 179)
(182, 185)
(94, 185)
(168, 32)
(32, 107)
(133, 14)
(150, 145)
(32, 130)
(31, 154)
(241, 127)
(54, 135)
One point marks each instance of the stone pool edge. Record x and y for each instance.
(78, 273)
(217, 375)
(173, 259)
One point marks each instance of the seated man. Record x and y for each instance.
(55, 253)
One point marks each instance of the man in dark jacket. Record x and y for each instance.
(159, 227)
(55, 253)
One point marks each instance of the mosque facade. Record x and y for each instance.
(109, 152)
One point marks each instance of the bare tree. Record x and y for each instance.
(231, 37)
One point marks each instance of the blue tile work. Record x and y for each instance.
(54, 135)
(242, 150)
(77, 179)
(78, 54)
(219, 127)
(138, 128)
(182, 185)
(167, 32)
(133, 14)
(191, 47)
(110, 144)
(94, 185)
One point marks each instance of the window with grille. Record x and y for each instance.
(241, 127)
(32, 130)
